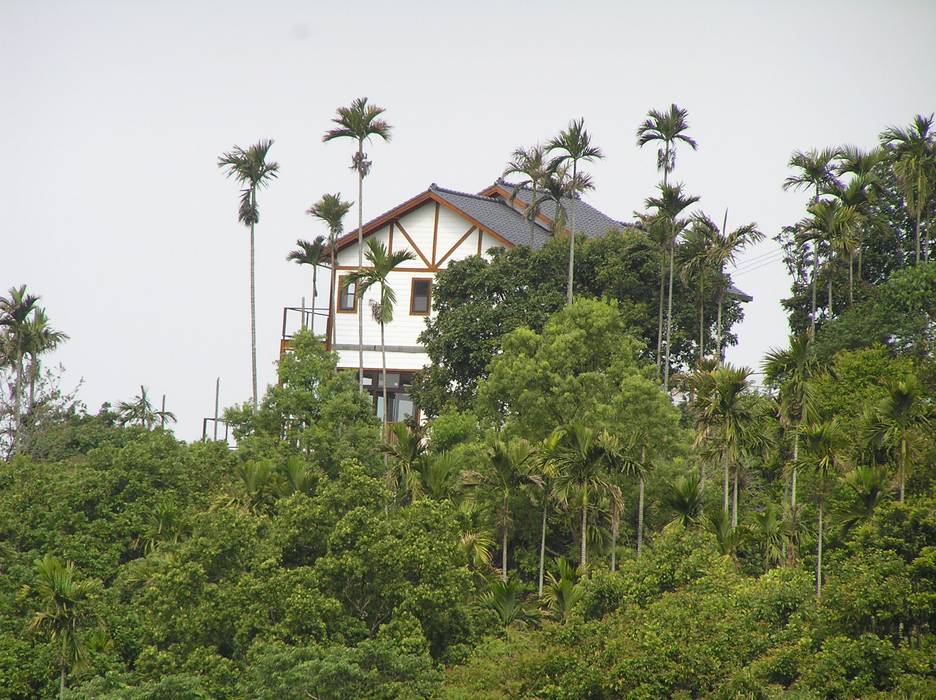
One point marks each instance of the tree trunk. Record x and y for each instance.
(332, 289)
(640, 516)
(504, 542)
(253, 310)
(314, 293)
(33, 376)
(830, 294)
(584, 529)
(725, 486)
(851, 279)
(793, 476)
(701, 321)
(532, 214)
(718, 323)
(360, 262)
(571, 237)
(659, 353)
(669, 317)
(917, 235)
(815, 275)
(615, 526)
(734, 499)
(383, 360)
(62, 682)
(819, 554)
(542, 557)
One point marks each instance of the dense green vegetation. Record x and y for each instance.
(562, 526)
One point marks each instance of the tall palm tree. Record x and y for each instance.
(142, 412)
(359, 122)
(542, 474)
(381, 264)
(331, 210)
(696, 262)
(730, 417)
(532, 164)
(251, 169)
(40, 338)
(574, 145)
(856, 198)
(313, 254)
(899, 424)
(507, 467)
(816, 170)
(15, 312)
(828, 225)
(64, 612)
(914, 167)
(725, 247)
(822, 454)
(669, 128)
(669, 205)
(583, 461)
(790, 370)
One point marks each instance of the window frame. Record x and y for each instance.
(413, 282)
(341, 293)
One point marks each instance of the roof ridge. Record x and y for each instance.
(436, 187)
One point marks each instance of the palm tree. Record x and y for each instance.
(828, 225)
(406, 448)
(583, 459)
(532, 165)
(565, 591)
(251, 169)
(40, 338)
(856, 198)
(769, 531)
(505, 598)
(574, 143)
(683, 497)
(313, 254)
(816, 170)
(915, 167)
(730, 415)
(669, 205)
(332, 210)
(542, 474)
(696, 262)
(382, 264)
(821, 454)
(899, 424)
(15, 312)
(507, 467)
(142, 412)
(63, 613)
(790, 370)
(668, 127)
(866, 487)
(360, 122)
(724, 248)
(728, 537)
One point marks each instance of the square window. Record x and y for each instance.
(421, 297)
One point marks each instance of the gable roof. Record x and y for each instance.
(495, 215)
(588, 220)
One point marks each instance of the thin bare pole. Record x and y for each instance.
(163, 421)
(303, 324)
(217, 402)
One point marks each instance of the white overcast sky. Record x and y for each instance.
(113, 114)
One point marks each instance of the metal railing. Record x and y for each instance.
(296, 318)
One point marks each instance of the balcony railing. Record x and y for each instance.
(297, 318)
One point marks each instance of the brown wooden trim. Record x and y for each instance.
(435, 234)
(378, 223)
(341, 286)
(396, 269)
(413, 282)
(505, 193)
(471, 219)
(414, 246)
(389, 369)
(457, 243)
(480, 236)
(390, 240)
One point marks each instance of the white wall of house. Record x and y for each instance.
(431, 252)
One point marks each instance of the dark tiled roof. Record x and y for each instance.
(588, 220)
(493, 213)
